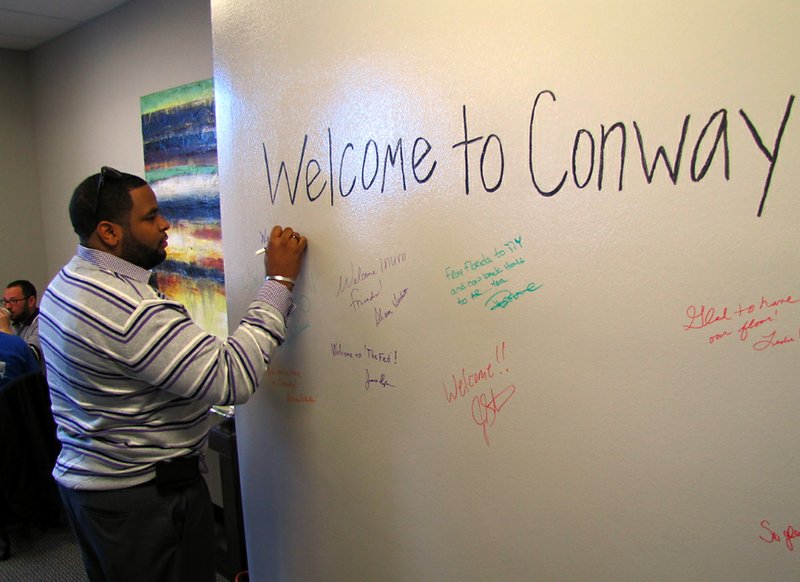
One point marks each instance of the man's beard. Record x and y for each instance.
(23, 315)
(141, 255)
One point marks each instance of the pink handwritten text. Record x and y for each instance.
(763, 323)
(789, 535)
(486, 407)
(465, 381)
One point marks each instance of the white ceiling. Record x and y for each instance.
(25, 24)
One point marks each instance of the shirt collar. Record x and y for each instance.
(104, 260)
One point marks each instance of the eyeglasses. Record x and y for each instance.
(107, 174)
(13, 301)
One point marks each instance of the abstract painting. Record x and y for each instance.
(180, 158)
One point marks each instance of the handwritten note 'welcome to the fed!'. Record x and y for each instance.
(494, 278)
(766, 323)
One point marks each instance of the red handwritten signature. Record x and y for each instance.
(789, 534)
(772, 340)
(486, 409)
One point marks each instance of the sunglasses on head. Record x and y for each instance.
(107, 174)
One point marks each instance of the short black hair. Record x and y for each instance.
(93, 202)
(28, 289)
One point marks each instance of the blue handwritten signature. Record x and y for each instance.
(504, 297)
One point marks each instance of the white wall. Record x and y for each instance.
(596, 385)
(86, 87)
(21, 240)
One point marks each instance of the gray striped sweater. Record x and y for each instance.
(132, 377)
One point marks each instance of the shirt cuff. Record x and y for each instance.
(278, 296)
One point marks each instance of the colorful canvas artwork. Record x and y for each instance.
(180, 157)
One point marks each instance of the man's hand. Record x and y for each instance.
(5, 321)
(285, 253)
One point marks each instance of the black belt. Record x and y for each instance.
(178, 473)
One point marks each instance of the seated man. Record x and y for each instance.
(16, 360)
(20, 299)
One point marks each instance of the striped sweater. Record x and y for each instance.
(132, 377)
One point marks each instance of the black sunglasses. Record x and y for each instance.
(107, 174)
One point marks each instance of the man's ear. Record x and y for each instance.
(109, 233)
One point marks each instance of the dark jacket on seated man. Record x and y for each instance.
(28, 450)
